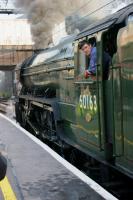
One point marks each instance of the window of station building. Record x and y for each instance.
(83, 59)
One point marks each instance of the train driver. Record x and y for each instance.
(91, 52)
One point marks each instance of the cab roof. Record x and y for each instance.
(107, 22)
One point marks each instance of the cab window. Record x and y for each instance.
(109, 45)
(82, 64)
(86, 58)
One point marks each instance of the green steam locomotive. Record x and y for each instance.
(93, 115)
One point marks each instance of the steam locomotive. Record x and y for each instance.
(93, 115)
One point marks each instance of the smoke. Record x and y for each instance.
(44, 14)
(75, 24)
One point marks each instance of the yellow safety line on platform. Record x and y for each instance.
(7, 190)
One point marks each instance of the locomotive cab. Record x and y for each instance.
(104, 103)
(87, 91)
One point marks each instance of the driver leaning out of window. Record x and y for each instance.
(91, 52)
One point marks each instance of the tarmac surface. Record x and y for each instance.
(34, 174)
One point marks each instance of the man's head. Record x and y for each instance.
(86, 47)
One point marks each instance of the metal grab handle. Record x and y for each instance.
(69, 78)
(85, 82)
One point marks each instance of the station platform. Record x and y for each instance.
(36, 172)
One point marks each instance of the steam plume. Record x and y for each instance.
(44, 14)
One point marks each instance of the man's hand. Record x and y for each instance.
(87, 74)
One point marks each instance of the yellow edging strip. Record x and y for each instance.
(7, 190)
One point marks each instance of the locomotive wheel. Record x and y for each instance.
(18, 113)
(74, 158)
(23, 121)
(77, 158)
(49, 124)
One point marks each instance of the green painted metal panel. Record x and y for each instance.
(123, 99)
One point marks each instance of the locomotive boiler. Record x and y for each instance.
(42, 70)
